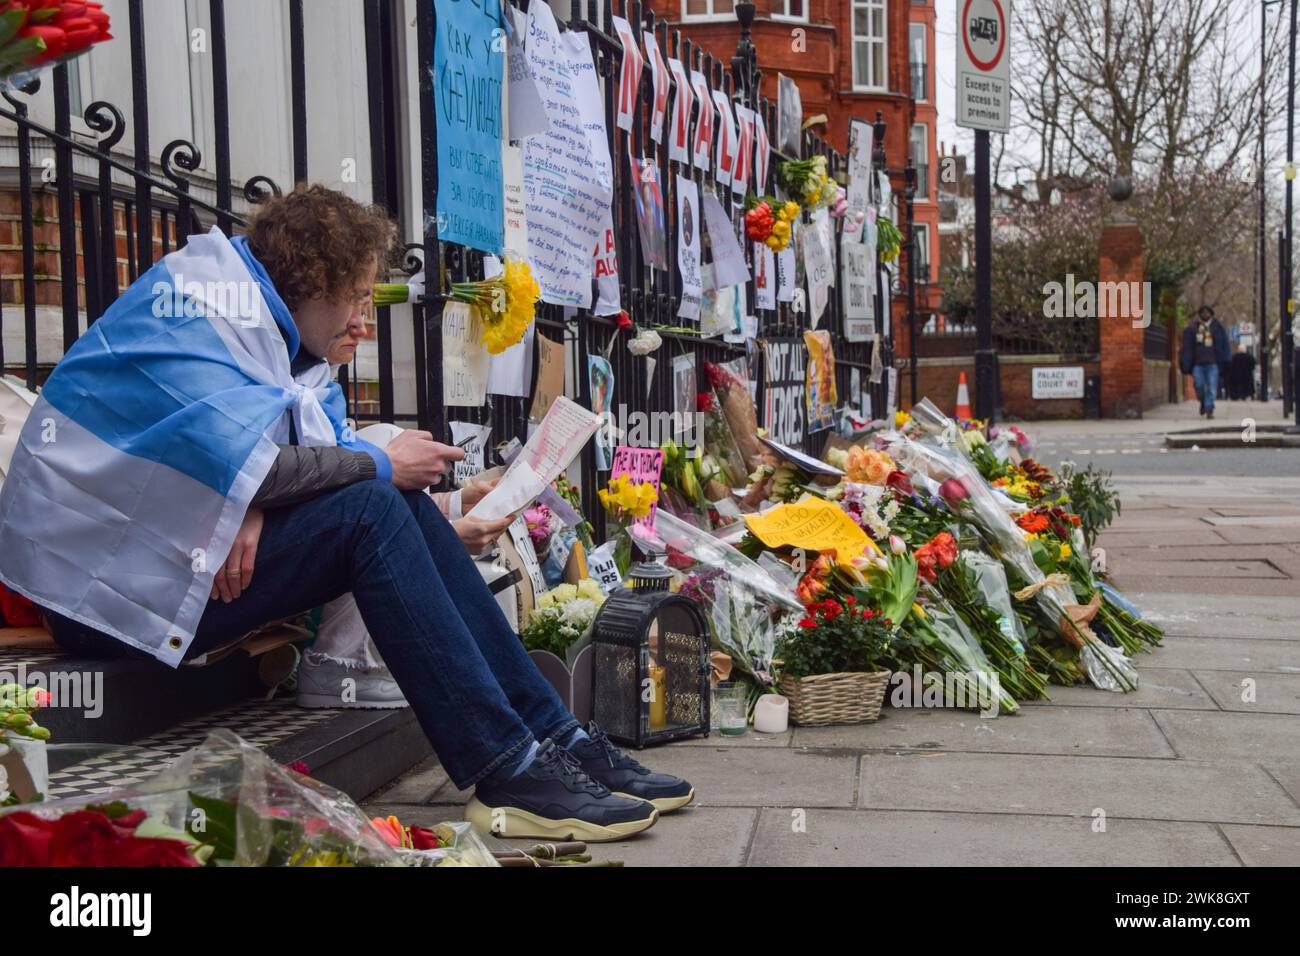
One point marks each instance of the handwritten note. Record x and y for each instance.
(817, 265)
(476, 437)
(550, 377)
(464, 359)
(568, 174)
(783, 390)
(468, 68)
(814, 524)
(526, 112)
(728, 258)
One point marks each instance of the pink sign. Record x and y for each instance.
(641, 466)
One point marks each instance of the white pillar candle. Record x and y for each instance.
(771, 714)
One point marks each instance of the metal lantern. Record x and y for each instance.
(650, 662)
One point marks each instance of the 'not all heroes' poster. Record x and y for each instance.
(468, 67)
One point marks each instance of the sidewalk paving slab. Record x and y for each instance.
(1264, 846)
(1176, 689)
(1225, 654)
(1205, 735)
(887, 838)
(1138, 788)
(1273, 693)
(702, 836)
(1127, 732)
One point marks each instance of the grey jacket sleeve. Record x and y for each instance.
(299, 473)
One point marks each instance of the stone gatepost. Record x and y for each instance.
(1121, 329)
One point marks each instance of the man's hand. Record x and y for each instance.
(419, 461)
(476, 492)
(236, 572)
(476, 534)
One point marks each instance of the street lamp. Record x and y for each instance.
(1264, 359)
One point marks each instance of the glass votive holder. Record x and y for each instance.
(731, 701)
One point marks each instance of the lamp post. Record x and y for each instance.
(909, 194)
(884, 344)
(1288, 373)
(1264, 358)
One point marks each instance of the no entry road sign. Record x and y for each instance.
(983, 64)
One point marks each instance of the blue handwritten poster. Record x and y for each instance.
(468, 68)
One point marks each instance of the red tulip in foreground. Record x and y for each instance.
(37, 33)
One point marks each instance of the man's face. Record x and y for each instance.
(331, 330)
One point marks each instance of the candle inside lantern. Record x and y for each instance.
(772, 714)
(658, 716)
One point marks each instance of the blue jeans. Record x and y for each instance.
(475, 691)
(1206, 379)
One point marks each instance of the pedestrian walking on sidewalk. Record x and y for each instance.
(1205, 346)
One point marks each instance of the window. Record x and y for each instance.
(919, 148)
(916, 42)
(789, 9)
(869, 44)
(698, 9)
(922, 234)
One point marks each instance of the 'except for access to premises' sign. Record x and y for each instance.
(983, 64)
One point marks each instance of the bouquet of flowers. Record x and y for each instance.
(35, 34)
(561, 617)
(542, 523)
(573, 495)
(834, 638)
(889, 241)
(763, 224)
(506, 304)
(808, 180)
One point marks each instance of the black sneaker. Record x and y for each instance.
(554, 800)
(602, 761)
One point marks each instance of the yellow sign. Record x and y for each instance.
(814, 525)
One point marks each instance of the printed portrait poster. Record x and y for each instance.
(659, 78)
(784, 386)
(688, 247)
(600, 379)
(820, 383)
(684, 391)
(469, 71)
(680, 130)
(789, 117)
(652, 225)
(704, 125)
(605, 267)
(629, 78)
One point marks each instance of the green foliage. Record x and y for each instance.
(1092, 497)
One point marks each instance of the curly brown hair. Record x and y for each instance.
(317, 243)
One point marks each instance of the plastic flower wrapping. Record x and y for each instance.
(224, 803)
(505, 303)
(748, 604)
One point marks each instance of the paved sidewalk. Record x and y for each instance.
(1192, 769)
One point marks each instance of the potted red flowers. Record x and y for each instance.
(834, 664)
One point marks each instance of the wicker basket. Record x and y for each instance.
(835, 698)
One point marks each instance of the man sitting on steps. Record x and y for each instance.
(194, 420)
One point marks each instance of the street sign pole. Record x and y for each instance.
(984, 104)
(986, 358)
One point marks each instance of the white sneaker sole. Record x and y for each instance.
(511, 823)
(325, 701)
(663, 804)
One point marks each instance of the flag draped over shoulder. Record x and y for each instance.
(137, 463)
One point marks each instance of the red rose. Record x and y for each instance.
(897, 479)
(146, 851)
(808, 623)
(25, 839)
(624, 320)
(422, 838)
(704, 402)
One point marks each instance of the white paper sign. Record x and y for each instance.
(817, 265)
(725, 152)
(528, 554)
(602, 567)
(680, 131)
(475, 439)
(861, 137)
(764, 277)
(785, 274)
(508, 371)
(516, 206)
(527, 114)
(859, 292)
(688, 247)
(704, 125)
(659, 79)
(568, 175)
(629, 78)
(464, 359)
(762, 153)
(606, 268)
(742, 167)
(891, 403)
(728, 257)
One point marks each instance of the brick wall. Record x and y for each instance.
(937, 379)
(1123, 371)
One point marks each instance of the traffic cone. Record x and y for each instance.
(963, 398)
